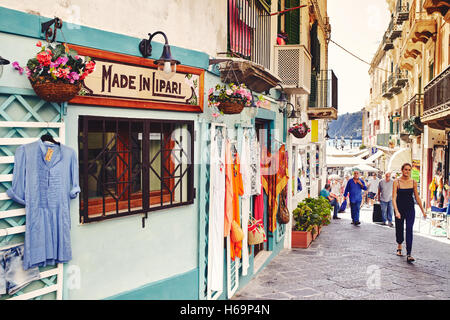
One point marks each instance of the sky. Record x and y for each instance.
(358, 26)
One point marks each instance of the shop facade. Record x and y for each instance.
(140, 226)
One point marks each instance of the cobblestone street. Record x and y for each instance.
(348, 262)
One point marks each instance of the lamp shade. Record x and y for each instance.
(3, 62)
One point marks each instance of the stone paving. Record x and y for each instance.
(356, 263)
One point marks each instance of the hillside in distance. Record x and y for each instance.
(348, 125)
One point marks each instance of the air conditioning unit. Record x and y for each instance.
(293, 66)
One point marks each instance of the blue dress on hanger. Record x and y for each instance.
(44, 183)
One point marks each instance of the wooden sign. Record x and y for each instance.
(126, 81)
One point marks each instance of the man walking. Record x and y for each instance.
(325, 192)
(353, 190)
(372, 188)
(384, 195)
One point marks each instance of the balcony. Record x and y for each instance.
(293, 67)
(387, 43)
(414, 105)
(323, 100)
(440, 6)
(417, 31)
(400, 78)
(385, 93)
(436, 106)
(394, 30)
(401, 11)
(248, 53)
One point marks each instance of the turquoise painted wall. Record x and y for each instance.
(118, 259)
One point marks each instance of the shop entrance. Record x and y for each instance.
(264, 138)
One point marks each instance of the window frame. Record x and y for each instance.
(145, 203)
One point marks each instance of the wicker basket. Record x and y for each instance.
(231, 107)
(299, 134)
(256, 233)
(56, 91)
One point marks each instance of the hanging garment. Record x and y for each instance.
(217, 209)
(250, 172)
(238, 190)
(228, 189)
(275, 181)
(45, 179)
(255, 163)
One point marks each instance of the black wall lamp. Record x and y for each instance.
(3, 62)
(166, 63)
(293, 113)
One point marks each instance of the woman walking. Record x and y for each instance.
(402, 199)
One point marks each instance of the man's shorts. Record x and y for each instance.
(12, 275)
(371, 195)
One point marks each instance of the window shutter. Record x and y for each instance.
(292, 21)
(232, 272)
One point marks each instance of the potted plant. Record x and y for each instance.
(322, 208)
(413, 126)
(302, 228)
(299, 130)
(230, 98)
(56, 72)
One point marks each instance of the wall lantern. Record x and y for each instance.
(282, 100)
(3, 62)
(166, 63)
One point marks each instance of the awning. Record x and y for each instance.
(362, 168)
(375, 156)
(398, 159)
(344, 161)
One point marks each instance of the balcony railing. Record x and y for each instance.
(402, 11)
(385, 93)
(387, 43)
(249, 31)
(400, 78)
(323, 99)
(414, 104)
(394, 30)
(437, 93)
(323, 90)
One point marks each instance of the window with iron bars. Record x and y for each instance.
(132, 166)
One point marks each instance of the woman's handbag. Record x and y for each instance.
(236, 233)
(256, 233)
(283, 213)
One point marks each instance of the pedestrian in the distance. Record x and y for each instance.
(353, 190)
(384, 195)
(372, 188)
(402, 199)
(325, 192)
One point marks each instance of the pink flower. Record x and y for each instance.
(16, 66)
(90, 66)
(215, 115)
(39, 44)
(62, 60)
(229, 92)
(211, 90)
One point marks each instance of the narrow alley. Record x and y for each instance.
(357, 263)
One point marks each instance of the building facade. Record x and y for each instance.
(412, 62)
(140, 226)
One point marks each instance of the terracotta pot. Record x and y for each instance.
(301, 239)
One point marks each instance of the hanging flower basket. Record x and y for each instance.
(56, 72)
(233, 106)
(230, 98)
(299, 130)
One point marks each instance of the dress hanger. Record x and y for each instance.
(49, 138)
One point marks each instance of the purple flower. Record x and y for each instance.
(73, 76)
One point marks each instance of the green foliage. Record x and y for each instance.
(361, 147)
(311, 212)
(413, 126)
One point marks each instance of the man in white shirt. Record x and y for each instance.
(372, 188)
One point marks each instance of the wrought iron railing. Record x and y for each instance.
(414, 104)
(324, 90)
(249, 31)
(402, 11)
(437, 91)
